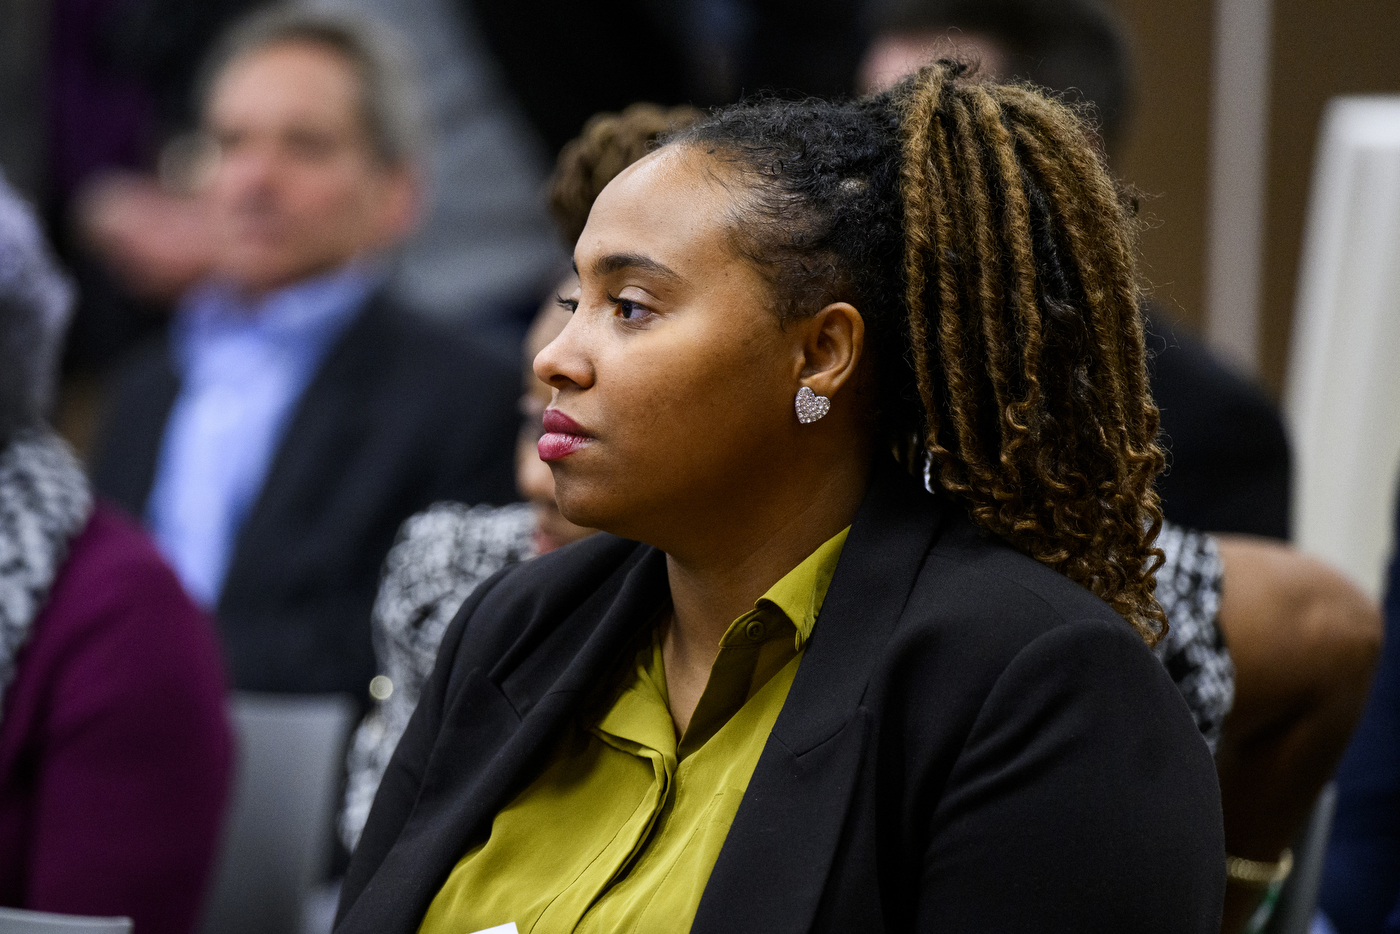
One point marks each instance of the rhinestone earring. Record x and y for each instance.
(811, 406)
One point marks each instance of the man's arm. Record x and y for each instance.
(1304, 641)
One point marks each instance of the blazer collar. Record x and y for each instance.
(510, 716)
(889, 539)
(771, 874)
(572, 659)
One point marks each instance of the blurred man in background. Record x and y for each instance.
(295, 415)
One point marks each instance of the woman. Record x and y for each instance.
(818, 697)
(445, 552)
(115, 751)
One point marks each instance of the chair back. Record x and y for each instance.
(277, 836)
(1298, 901)
(1343, 385)
(22, 921)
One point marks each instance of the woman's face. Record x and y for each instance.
(673, 381)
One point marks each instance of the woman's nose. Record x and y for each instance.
(564, 361)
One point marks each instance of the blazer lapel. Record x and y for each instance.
(327, 425)
(513, 725)
(134, 432)
(771, 873)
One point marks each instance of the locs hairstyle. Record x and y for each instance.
(978, 232)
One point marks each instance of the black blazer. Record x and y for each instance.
(400, 414)
(972, 743)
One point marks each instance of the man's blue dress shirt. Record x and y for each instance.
(243, 366)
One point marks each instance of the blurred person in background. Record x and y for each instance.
(1361, 879)
(483, 248)
(296, 415)
(115, 751)
(1303, 640)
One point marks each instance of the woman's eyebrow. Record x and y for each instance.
(616, 262)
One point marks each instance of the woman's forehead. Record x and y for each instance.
(670, 199)
(673, 172)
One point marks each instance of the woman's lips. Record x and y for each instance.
(562, 436)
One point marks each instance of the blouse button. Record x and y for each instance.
(381, 688)
(755, 630)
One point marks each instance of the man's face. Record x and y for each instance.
(298, 189)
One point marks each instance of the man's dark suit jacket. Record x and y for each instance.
(973, 743)
(401, 413)
(1228, 464)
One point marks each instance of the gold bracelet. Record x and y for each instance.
(1255, 872)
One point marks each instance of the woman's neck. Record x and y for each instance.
(718, 579)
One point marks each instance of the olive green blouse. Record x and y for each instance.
(620, 831)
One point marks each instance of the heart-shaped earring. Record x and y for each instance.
(811, 406)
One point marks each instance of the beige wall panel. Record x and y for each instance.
(1167, 149)
(1322, 48)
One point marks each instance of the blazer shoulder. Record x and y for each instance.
(978, 603)
(974, 571)
(511, 615)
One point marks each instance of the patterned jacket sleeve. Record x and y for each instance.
(1194, 651)
(439, 558)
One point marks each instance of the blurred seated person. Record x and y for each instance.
(1228, 464)
(115, 750)
(1361, 879)
(1304, 641)
(1302, 638)
(295, 416)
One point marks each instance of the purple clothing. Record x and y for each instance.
(115, 746)
(98, 118)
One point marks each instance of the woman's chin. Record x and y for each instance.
(582, 504)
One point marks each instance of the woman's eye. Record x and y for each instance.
(628, 309)
(568, 304)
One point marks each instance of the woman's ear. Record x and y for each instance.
(833, 341)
